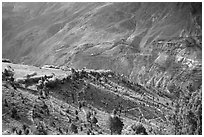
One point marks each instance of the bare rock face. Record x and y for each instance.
(175, 62)
(116, 36)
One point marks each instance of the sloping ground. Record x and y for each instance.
(176, 62)
(166, 91)
(96, 35)
(101, 95)
(158, 46)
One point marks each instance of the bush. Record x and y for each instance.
(41, 129)
(139, 129)
(73, 128)
(94, 120)
(115, 125)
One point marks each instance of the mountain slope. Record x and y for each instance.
(154, 52)
(95, 35)
(100, 93)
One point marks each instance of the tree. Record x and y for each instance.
(73, 128)
(115, 124)
(139, 129)
(94, 120)
(41, 130)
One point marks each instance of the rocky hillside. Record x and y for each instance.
(100, 91)
(153, 51)
(93, 35)
(176, 109)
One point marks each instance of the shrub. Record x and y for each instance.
(41, 129)
(73, 128)
(115, 125)
(94, 120)
(139, 129)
